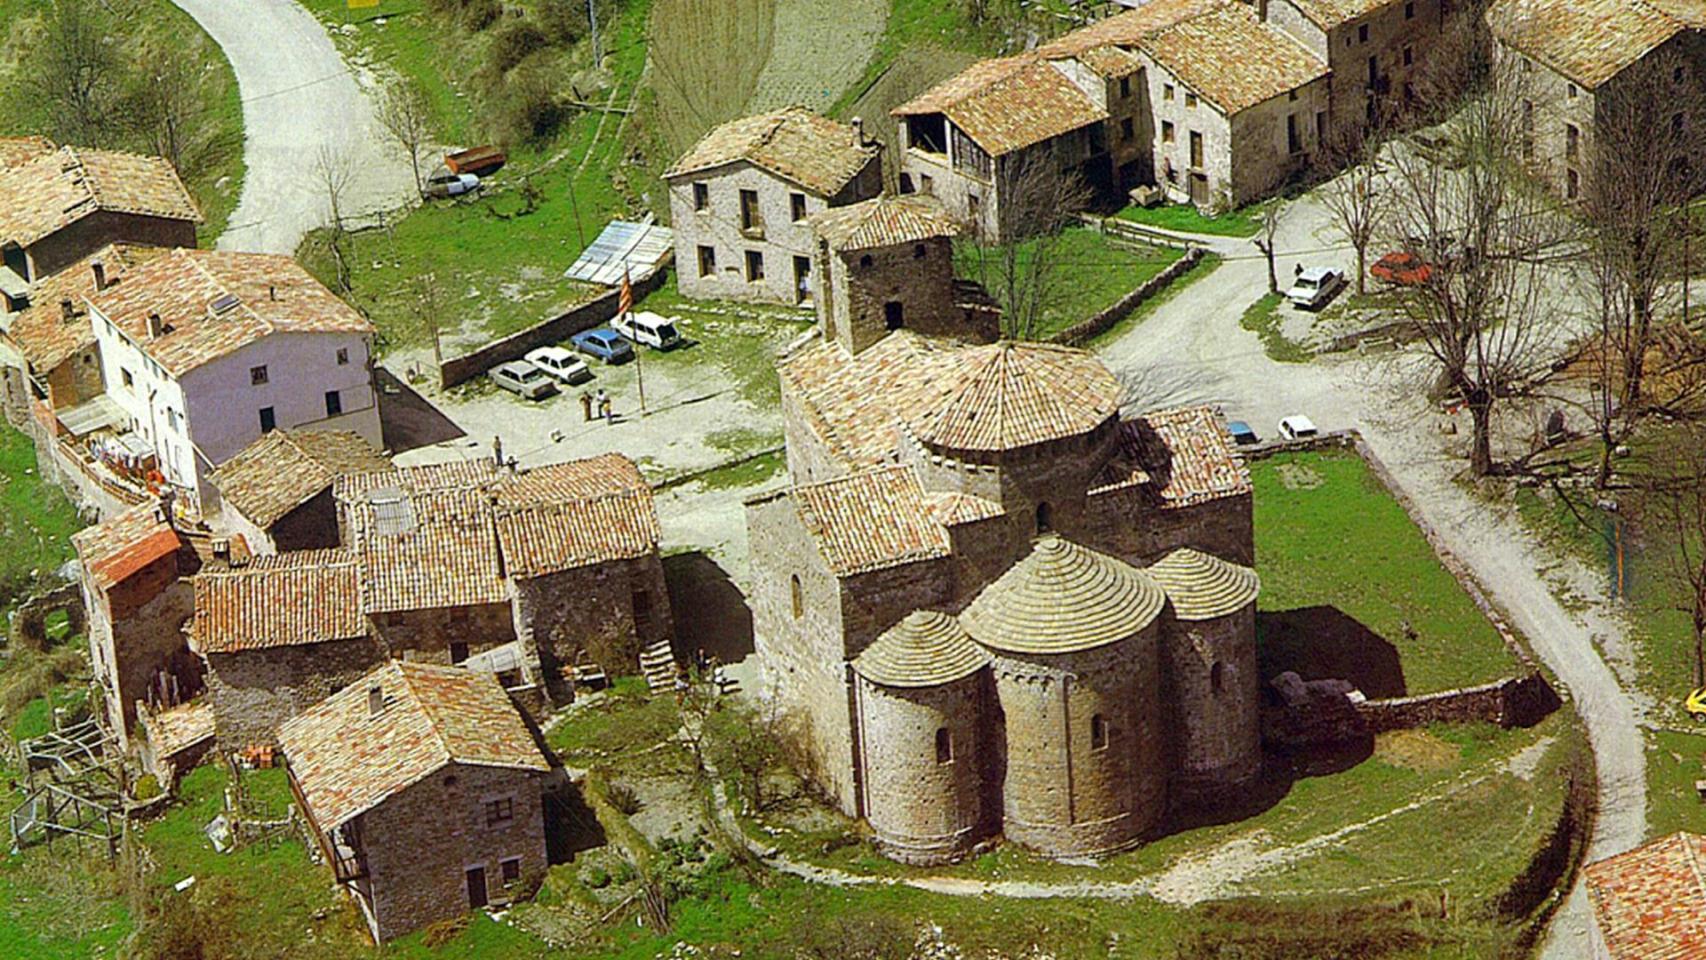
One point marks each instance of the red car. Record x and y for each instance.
(1402, 269)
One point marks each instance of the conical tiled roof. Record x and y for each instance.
(1009, 395)
(926, 649)
(1063, 598)
(884, 222)
(1203, 586)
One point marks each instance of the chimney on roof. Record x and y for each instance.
(858, 131)
(375, 700)
(67, 308)
(100, 271)
(156, 326)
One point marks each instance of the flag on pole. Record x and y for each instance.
(626, 303)
(625, 307)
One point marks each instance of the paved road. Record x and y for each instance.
(299, 98)
(1193, 350)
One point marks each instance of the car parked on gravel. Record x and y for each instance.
(603, 343)
(560, 364)
(648, 328)
(1241, 433)
(1298, 427)
(1314, 287)
(523, 379)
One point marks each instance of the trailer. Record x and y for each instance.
(479, 161)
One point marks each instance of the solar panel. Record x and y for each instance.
(623, 247)
(393, 512)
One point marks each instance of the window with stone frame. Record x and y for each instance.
(258, 375)
(500, 811)
(944, 745)
(642, 610)
(1098, 732)
(797, 206)
(509, 870)
(1217, 676)
(701, 196)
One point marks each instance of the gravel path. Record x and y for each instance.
(1192, 350)
(298, 97)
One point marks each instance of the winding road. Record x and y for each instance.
(301, 101)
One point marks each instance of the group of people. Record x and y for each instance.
(597, 405)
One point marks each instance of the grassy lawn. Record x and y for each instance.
(401, 35)
(1100, 272)
(1185, 218)
(1674, 762)
(211, 158)
(36, 521)
(1343, 570)
(1264, 320)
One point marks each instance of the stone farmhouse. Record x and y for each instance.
(202, 352)
(739, 200)
(518, 574)
(135, 571)
(1574, 54)
(277, 493)
(1215, 102)
(998, 604)
(423, 786)
(57, 205)
(1650, 903)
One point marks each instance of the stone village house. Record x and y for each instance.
(1573, 54)
(998, 604)
(57, 205)
(277, 493)
(514, 573)
(740, 197)
(1649, 903)
(422, 785)
(1216, 102)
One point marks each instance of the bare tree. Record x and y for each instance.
(1492, 240)
(1024, 271)
(1671, 507)
(406, 115)
(74, 74)
(332, 173)
(1642, 171)
(1267, 231)
(166, 108)
(1353, 197)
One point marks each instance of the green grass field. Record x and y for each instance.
(1090, 273)
(36, 521)
(212, 154)
(1264, 320)
(1343, 570)
(1187, 219)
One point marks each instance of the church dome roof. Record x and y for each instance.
(1203, 586)
(1006, 395)
(926, 649)
(1063, 598)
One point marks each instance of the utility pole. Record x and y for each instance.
(592, 18)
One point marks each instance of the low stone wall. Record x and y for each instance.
(600, 309)
(1511, 702)
(29, 620)
(1102, 322)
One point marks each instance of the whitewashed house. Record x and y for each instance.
(205, 351)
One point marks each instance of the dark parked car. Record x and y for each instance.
(1241, 433)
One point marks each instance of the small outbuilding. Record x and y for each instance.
(422, 785)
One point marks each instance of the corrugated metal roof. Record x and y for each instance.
(637, 249)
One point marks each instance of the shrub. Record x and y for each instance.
(623, 798)
(596, 877)
(522, 106)
(562, 21)
(147, 787)
(477, 15)
(514, 42)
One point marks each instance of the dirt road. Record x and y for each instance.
(299, 99)
(1192, 350)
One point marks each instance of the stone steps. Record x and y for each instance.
(657, 663)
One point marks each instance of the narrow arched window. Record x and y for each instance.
(1045, 517)
(1217, 676)
(865, 261)
(918, 251)
(944, 745)
(1098, 732)
(796, 595)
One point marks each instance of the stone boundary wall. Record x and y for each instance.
(585, 316)
(1512, 702)
(1099, 323)
(28, 626)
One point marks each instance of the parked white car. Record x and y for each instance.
(1297, 427)
(444, 183)
(560, 364)
(1314, 287)
(648, 328)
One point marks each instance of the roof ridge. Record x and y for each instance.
(224, 290)
(432, 719)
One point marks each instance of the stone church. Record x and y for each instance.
(1000, 605)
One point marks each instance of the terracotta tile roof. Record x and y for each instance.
(1007, 395)
(795, 144)
(850, 402)
(570, 515)
(175, 729)
(1202, 586)
(347, 761)
(954, 509)
(1650, 903)
(1328, 14)
(42, 332)
(1062, 598)
(422, 478)
(926, 649)
(124, 544)
(1591, 41)
(301, 597)
(604, 475)
(260, 295)
(1111, 61)
(1231, 58)
(54, 190)
(1181, 457)
(884, 222)
(424, 551)
(1009, 104)
(16, 150)
(1126, 29)
(286, 468)
(870, 521)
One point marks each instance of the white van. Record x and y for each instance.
(648, 328)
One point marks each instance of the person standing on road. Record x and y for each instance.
(608, 412)
(586, 406)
